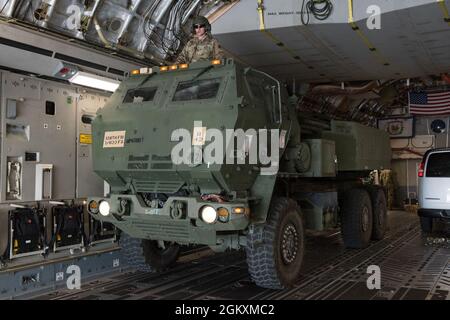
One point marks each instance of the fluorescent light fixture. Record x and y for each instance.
(94, 81)
(57, 203)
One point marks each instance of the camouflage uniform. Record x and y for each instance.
(206, 49)
(387, 179)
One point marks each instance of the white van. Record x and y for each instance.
(434, 188)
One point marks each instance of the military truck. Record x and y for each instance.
(316, 180)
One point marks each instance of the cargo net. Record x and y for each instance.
(26, 233)
(67, 227)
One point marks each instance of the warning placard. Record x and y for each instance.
(114, 139)
(199, 136)
(85, 138)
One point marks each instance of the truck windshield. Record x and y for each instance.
(197, 89)
(140, 95)
(439, 165)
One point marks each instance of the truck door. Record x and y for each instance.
(265, 92)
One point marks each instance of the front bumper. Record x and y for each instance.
(434, 213)
(166, 223)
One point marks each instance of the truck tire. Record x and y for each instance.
(159, 258)
(146, 255)
(379, 209)
(357, 218)
(426, 224)
(275, 249)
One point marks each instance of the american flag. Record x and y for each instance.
(426, 103)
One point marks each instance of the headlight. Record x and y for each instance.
(208, 214)
(93, 207)
(104, 208)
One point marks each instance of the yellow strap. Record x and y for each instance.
(350, 11)
(369, 45)
(444, 11)
(268, 34)
(261, 15)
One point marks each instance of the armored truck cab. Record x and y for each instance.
(213, 153)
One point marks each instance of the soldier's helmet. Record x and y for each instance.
(201, 20)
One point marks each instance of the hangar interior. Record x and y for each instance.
(337, 65)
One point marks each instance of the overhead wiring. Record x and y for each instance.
(320, 9)
(169, 38)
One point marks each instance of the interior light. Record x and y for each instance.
(94, 81)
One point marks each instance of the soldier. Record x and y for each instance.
(202, 46)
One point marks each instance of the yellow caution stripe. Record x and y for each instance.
(278, 42)
(444, 11)
(363, 37)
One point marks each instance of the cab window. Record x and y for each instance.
(256, 89)
(140, 95)
(197, 89)
(265, 91)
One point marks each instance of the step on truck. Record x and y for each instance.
(215, 153)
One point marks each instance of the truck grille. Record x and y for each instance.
(171, 231)
(157, 186)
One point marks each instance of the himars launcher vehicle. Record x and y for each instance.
(318, 182)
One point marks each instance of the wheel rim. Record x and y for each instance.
(365, 219)
(289, 244)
